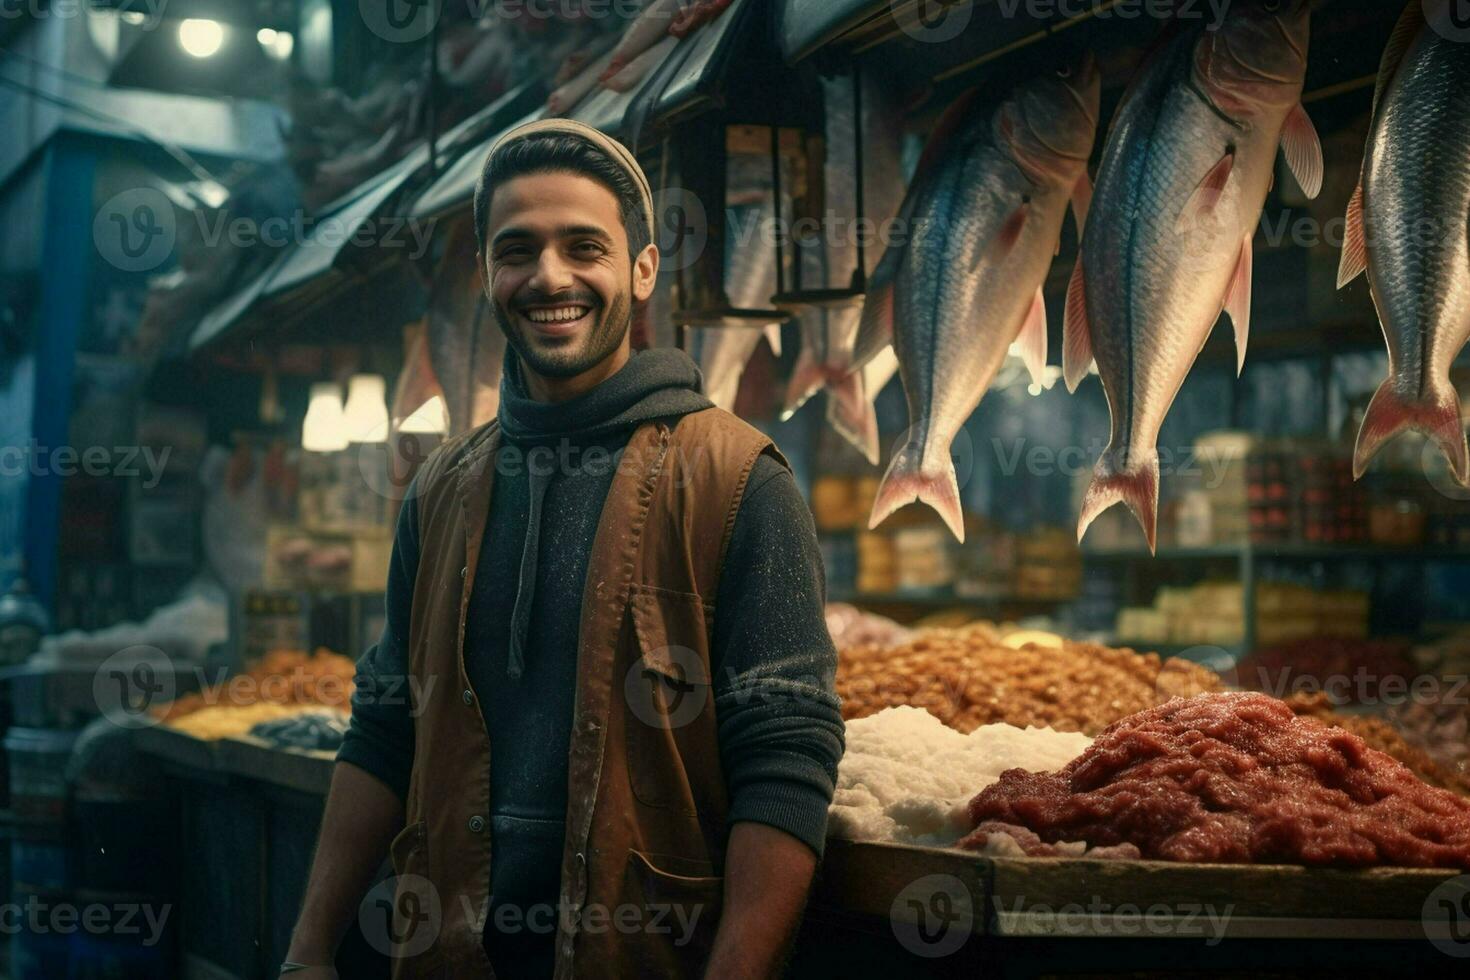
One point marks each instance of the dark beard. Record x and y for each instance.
(607, 333)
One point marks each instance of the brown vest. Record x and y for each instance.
(643, 859)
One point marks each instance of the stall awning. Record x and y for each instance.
(342, 247)
(688, 80)
(803, 26)
(456, 185)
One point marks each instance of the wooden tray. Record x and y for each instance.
(1064, 897)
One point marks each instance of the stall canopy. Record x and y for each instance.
(346, 244)
(688, 80)
(803, 26)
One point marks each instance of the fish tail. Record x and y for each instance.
(908, 480)
(806, 378)
(1437, 415)
(1134, 483)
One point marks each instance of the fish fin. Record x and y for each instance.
(907, 480)
(772, 333)
(857, 422)
(850, 412)
(875, 327)
(1033, 337)
(1136, 485)
(1009, 234)
(1081, 202)
(1437, 416)
(1238, 301)
(806, 379)
(1410, 22)
(1303, 150)
(1201, 203)
(950, 121)
(1354, 260)
(1076, 332)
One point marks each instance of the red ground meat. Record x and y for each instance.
(1235, 778)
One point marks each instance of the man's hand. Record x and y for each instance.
(767, 875)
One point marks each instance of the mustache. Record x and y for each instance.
(534, 298)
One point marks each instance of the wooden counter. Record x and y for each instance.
(898, 910)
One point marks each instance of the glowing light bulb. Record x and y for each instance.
(199, 37)
(325, 429)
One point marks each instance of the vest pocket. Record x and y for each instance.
(671, 910)
(669, 723)
(414, 922)
(410, 839)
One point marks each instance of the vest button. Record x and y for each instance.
(477, 824)
(469, 696)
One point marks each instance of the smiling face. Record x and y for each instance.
(560, 279)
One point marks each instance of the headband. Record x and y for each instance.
(615, 151)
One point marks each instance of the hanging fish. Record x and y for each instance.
(1416, 176)
(829, 333)
(986, 211)
(1184, 176)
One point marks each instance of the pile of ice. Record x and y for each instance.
(907, 778)
(184, 629)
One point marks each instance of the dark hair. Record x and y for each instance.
(561, 151)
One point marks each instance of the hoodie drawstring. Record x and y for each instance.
(520, 617)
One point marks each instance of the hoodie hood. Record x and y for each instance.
(654, 384)
(657, 383)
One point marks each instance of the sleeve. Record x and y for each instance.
(780, 724)
(380, 738)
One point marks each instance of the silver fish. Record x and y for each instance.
(723, 352)
(829, 333)
(987, 206)
(1416, 177)
(1184, 175)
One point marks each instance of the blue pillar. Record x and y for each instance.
(66, 262)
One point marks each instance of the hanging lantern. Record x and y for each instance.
(365, 415)
(324, 430)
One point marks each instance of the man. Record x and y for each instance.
(623, 736)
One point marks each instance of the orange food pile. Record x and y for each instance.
(282, 677)
(966, 678)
